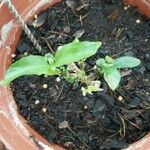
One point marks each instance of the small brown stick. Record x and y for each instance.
(59, 94)
(82, 17)
(78, 137)
(140, 112)
(69, 111)
(130, 122)
(147, 104)
(119, 31)
(49, 46)
(47, 121)
(113, 31)
(50, 125)
(123, 126)
(122, 39)
(114, 134)
(125, 50)
(113, 15)
(59, 33)
(48, 117)
(82, 6)
(147, 108)
(64, 10)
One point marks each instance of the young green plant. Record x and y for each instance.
(110, 68)
(61, 63)
(67, 63)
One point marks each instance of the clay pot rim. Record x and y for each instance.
(9, 114)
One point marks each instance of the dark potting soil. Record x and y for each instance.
(104, 120)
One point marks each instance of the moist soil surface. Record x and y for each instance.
(102, 121)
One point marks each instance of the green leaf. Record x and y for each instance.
(30, 65)
(71, 78)
(100, 62)
(75, 51)
(126, 62)
(112, 76)
(49, 57)
(109, 60)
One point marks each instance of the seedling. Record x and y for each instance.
(69, 62)
(110, 67)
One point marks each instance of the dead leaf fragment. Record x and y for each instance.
(63, 125)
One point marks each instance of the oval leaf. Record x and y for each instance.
(100, 62)
(112, 76)
(30, 65)
(75, 51)
(126, 62)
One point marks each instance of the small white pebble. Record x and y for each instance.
(138, 21)
(37, 102)
(58, 79)
(85, 107)
(146, 40)
(25, 53)
(120, 98)
(44, 109)
(35, 16)
(13, 55)
(45, 76)
(128, 6)
(125, 8)
(69, 144)
(147, 80)
(95, 67)
(45, 86)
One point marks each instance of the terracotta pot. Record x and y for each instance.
(142, 5)
(14, 130)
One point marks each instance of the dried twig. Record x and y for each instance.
(59, 33)
(131, 122)
(123, 126)
(78, 137)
